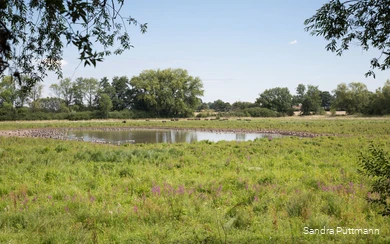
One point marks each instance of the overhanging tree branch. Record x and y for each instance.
(364, 21)
(40, 40)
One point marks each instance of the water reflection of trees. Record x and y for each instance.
(175, 136)
(190, 136)
(240, 136)
(159, 136)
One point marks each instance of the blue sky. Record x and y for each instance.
(237, 48)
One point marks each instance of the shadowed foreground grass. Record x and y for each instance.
(226, 192)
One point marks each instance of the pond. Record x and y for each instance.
(161, 136)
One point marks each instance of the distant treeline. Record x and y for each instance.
(173, 93)
(353, 98)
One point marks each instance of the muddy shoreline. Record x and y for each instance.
(61, 133)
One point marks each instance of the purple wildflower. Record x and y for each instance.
(156, 190)
(135, 209)
(180, 190)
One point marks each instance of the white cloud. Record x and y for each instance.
(293, 42)
(64, 62)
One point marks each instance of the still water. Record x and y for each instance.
(162, 136)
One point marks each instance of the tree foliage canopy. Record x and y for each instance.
(32, 33)
(380, 100)
(376, 164)
(354, 97)
(343, 23)
(220, 106)
(169, 92)
(277, 99)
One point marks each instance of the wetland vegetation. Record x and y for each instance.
(325, 181)
(265, 190)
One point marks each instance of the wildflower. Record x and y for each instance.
(180, 190)
(156, 190)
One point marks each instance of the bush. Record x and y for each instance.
(321, 111)
(333, 111)
(140, 114)
(376, 164)
(260, 112)
(203, 115)
(290, 112)
(124, 114)
(80, 115)
(7, 113)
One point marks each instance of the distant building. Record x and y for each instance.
(295, 107)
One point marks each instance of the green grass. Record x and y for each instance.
(262, 191)
(342, 125)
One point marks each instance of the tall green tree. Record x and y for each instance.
(37, 30)
(326, 99)
(14, 93)
(106, 87)
(365, 22)
(353, 98)
(311, 100)
(243, 105)
(64, 90)
(122, 93)
(78, 95)
(277, 99)
(300, 91)
(168, 93)
(34, 95)
(21, 91)
(220, 106)
(202, 106)
(51, 104)
(380, 100)
(105, 105)
(7, 92)
(88, 88)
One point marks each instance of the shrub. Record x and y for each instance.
(80, 115)
(332, 205)
(203, 115)
(290, 112)
(260, 112)
(376, 164)
(333, 111)
(321, 111)
(140, 114)
(124, 114)
(298, 205)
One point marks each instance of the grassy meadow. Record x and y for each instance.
(261, 191)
